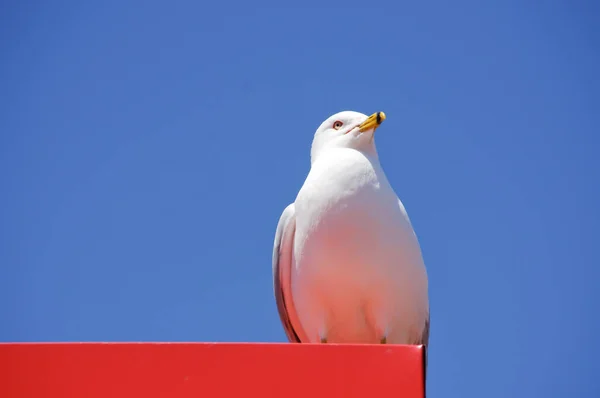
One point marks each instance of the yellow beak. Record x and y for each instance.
(372, 121)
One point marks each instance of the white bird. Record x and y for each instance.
(347, 265)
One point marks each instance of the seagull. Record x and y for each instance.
(347, 265)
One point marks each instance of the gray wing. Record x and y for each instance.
(424, 338)
(282, 266)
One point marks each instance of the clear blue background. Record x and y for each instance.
(148, 148)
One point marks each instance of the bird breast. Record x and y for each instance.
(350, 226)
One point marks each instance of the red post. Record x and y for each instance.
(177, 370)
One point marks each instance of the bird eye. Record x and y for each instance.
(337, 125)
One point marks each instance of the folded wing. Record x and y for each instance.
(283, 248)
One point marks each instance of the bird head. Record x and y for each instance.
(347, 129)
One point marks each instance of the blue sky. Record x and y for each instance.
(147, 150)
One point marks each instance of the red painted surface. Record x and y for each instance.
(177, 370)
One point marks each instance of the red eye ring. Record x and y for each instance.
(337, 125)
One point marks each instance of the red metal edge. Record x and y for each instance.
(177, 370)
